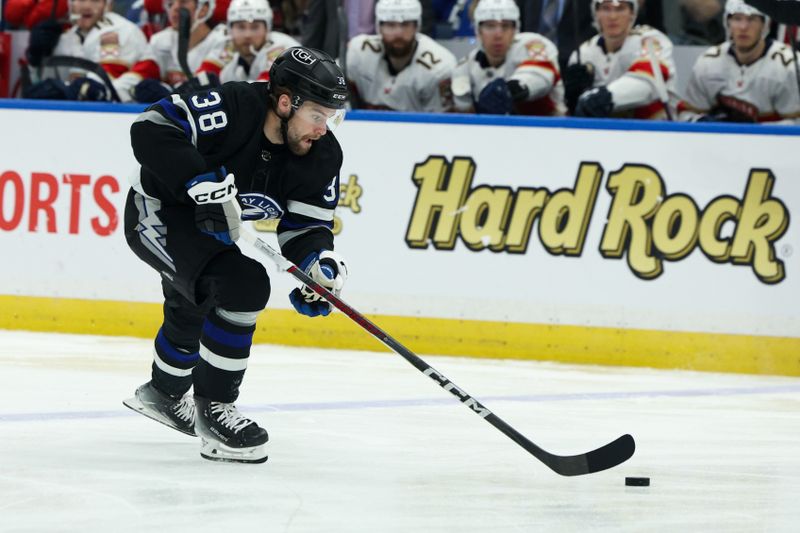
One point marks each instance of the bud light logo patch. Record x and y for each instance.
(303, 56)
(257, 206)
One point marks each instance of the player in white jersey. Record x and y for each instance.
(399, 69)
(103, 37)
(746, 79)
(159, 71)
(510, 72)
(252, 46)
(622, 70)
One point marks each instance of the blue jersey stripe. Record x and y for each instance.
(175, 114)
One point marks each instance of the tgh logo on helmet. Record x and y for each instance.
(303, 56)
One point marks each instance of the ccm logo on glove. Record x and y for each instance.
(211, 192)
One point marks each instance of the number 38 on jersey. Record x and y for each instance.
(210, 117)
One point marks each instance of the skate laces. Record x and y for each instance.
(184, 409)
(229, 416)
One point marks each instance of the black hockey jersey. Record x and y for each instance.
(179, 137)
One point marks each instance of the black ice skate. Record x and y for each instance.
(227, 435)
(177, 413)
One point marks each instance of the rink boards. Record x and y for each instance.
(608, 242)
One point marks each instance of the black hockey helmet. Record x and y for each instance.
(310, 75)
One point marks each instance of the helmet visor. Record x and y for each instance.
(317, 115)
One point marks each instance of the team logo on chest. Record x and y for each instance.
(257, 206)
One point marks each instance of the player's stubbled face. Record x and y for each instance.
(308, 124)
(496, 36)
(247, 36)
(398, 37)
(745, 31)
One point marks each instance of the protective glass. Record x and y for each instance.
(316, 115)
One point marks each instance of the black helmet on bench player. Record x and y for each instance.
(310, 75)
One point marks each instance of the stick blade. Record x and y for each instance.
(612, 454)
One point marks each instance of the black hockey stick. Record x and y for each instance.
(608, 456)
(344, 29)
(576, 30)
(84, 64)
(184, 30)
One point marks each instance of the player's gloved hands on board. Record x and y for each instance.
(711, 117)
(149, 90)
(518, 91)
(218, 212)
(203, 80)
(329, 269)
(49, 89)
(578, 78)
(495, 99)
(43, 39)
(595, 103)
(744, 114)
(87, 89)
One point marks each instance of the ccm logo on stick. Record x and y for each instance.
(462, 396)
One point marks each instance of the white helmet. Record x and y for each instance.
(596, 4)
(211, 5)
(496, 10)
(398, 11)
(734, 7)
(250, 11)
(200, 3)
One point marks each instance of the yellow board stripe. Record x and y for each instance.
(570, 344)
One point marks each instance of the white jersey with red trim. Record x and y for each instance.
(763, 91)
(423, 85)
(227, 63)
(622, 72)
(164, 51)
(160, 61)
(114, 42)
(532, 60)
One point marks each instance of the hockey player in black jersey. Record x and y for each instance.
(208, 160)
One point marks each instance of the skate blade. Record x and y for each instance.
(135, 405)
(222, 453)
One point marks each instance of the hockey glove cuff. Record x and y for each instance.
(329, 269)
(218, 213)
(203, 80)
(495, 99)
(87, 89)
(49, 89)
(519, 92)
(149, 90)
(595, 103)
(578, 78)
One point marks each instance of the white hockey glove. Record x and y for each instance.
(329, 269)
(218, 212)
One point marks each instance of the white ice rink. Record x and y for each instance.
(362, 442)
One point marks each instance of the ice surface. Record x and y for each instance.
(362, 442)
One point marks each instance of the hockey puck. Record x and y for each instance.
(637, 481)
